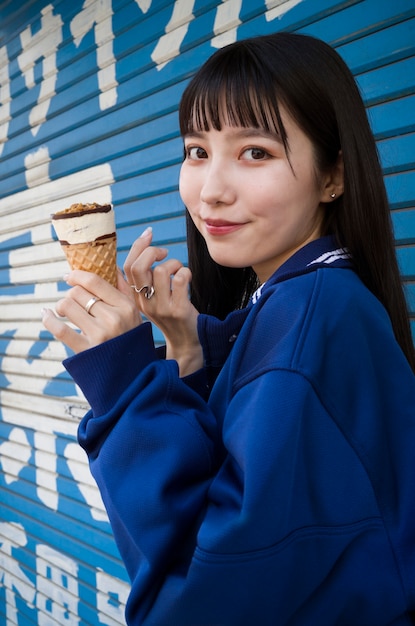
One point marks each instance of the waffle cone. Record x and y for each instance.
(99, 257)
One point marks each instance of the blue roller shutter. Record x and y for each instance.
(88, 99)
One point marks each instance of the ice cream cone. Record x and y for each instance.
(87, 235)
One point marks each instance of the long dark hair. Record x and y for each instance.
(244, 84)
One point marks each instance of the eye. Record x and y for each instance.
(255, 154)
(195, 153)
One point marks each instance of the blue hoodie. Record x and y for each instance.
(276, 486)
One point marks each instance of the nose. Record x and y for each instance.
(218, 186)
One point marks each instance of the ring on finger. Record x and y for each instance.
(91, 303)
(147, 290)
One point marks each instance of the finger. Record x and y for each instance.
(169, 267)
(137, 249)
(102, 321)
(162, 281)
(181, 281)
(140, 272)
(93, 285)
(180, 290)
(81, 297)
(123, 286)
(61, 331)
(73, 308)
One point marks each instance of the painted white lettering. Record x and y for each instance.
(14, 454)
(144, 5)
(42, 45)
(98, 15)
(277, 8)
(112, 594)
(4, 97)
(46, 472)
(169, 44)
(12, 576)
(226, 23)
(37, 167)
(57, 587)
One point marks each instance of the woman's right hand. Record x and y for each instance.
(169, 308)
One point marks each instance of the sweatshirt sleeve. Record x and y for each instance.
(242, 534)
(152, 447)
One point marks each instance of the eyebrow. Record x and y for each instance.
(242, 132)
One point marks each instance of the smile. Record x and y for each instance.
(221, 227)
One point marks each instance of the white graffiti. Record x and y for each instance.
(226, 23)
(111, 597)
(144, 5)
(277, 8)
(37, 167)
(227, 18)
(98, 15)
(4, 98)
(43, 44)
(14, 455)
(169, 44)
(12, 576)
(57, 587)
(56, 592)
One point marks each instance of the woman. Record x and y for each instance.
(263, 473)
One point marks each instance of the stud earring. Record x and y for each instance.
(332, 195)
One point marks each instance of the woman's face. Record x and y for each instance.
(252, 205)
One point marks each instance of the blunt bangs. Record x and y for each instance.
(235, 90)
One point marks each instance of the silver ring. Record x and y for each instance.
(148, 290)
(91, 303)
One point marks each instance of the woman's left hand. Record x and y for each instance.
(113, 312)
(161, 290)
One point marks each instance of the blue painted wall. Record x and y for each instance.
(88, 98)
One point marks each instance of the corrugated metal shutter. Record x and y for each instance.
(88, 98)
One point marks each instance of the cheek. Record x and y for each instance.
(182, 183)
(187, 187)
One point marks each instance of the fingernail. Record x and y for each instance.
(65, 277)
(147, 232)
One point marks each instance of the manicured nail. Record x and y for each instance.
(147, 232)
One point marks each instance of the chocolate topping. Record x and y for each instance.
(76, 210)
(108, 236)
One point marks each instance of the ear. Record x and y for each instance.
(333, 183)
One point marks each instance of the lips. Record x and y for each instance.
(222, 227)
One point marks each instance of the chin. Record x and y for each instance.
(225, 261)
